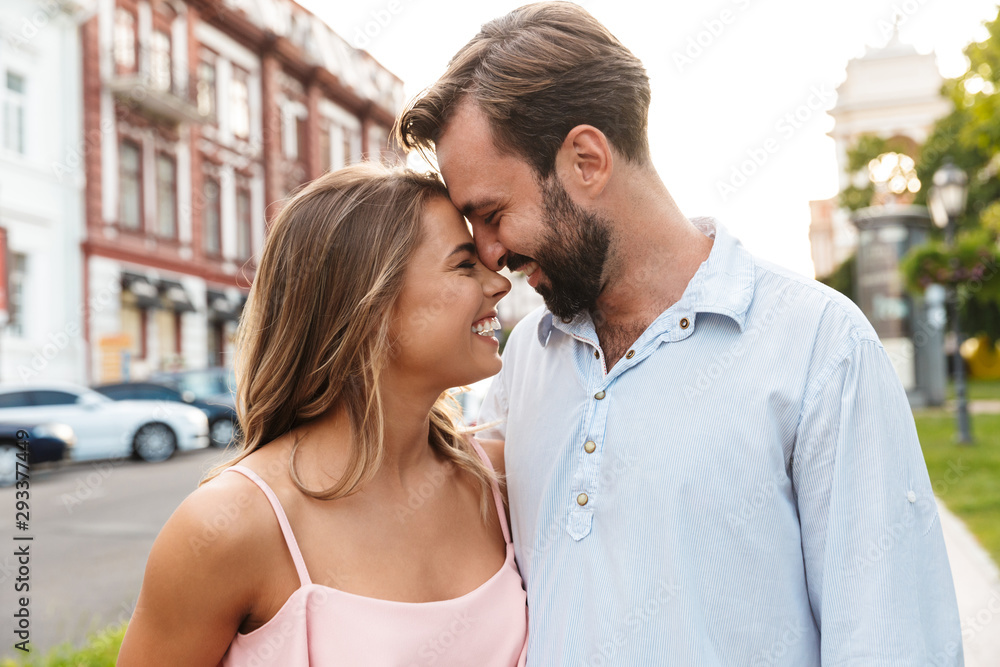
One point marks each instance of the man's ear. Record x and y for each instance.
(585, 162)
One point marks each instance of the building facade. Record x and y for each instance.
(892, 92)
(200, 117)
(41, 189)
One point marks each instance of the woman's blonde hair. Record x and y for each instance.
(316, 331)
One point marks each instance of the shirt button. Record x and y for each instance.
(589, 446)
(911, 496)
(631, 353)
(567, 320)
(582, 499)
(685, 323)
(597, 355)
(599, 395)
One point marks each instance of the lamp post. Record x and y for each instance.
(947, 201)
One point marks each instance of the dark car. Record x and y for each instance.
(222, 421)
(46, 442)
(211, 385)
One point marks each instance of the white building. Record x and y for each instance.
(41, 189)
(892, 92)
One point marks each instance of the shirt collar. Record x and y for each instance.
(722, 285)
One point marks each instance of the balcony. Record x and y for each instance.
(165, 92)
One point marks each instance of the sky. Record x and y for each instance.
(724, 75)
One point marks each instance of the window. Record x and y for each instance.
(166, 329)
(325, 149)
(211, 218)
(13, 113)
(239, 97)
(289, 132)
(166, 196)
(15, 304)
(159, 61)
(16, 399)
(349, 156)
(206, 89)
(134, 323)
(243, 245)
(124, 40)
(53, 397)
(130, 184)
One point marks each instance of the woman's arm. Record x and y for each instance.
(196, 590)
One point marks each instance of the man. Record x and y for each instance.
(710, 459)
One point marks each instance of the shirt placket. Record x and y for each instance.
(584, 492)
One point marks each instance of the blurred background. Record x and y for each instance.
(145, 145)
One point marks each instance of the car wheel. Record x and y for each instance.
(8, 465)
(154, 442)
(221, 431)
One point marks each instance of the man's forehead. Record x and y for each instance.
(469, 160)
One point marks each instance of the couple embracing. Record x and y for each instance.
(688, 457)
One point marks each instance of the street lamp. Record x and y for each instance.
(947, 201)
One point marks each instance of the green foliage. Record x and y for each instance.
(842, 278)
(970, 136)
(854, 198)
(967, 479)
(101, 650)
(972, 266)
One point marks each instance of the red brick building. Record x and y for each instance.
(199, 117)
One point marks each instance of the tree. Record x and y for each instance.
(970, 136)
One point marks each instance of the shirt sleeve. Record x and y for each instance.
(877, 571)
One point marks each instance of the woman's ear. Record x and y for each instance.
(585, 162)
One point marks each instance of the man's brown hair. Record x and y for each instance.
(537, 73)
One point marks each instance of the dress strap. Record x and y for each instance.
(286, 528)
(497, 497)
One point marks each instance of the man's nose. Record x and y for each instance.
(491, 251)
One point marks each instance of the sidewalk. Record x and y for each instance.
(977, 587)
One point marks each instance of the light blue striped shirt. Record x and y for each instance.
(755, 494)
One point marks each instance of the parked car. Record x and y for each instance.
(222, 421)
(149, 430)
(47, 442)
(212, 385)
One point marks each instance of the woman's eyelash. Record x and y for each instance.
(467, 265)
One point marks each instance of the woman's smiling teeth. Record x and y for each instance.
(486, 326)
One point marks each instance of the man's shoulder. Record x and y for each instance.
(783, 292)
(525, 332)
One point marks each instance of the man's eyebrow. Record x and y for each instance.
(477, 205)
(465, 247)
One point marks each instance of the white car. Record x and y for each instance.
(105, 428)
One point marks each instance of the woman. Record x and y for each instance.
(356, 525)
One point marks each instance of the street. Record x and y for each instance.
(93, 525)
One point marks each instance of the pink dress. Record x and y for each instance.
(322, 626)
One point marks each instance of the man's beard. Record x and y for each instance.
(572, 255)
